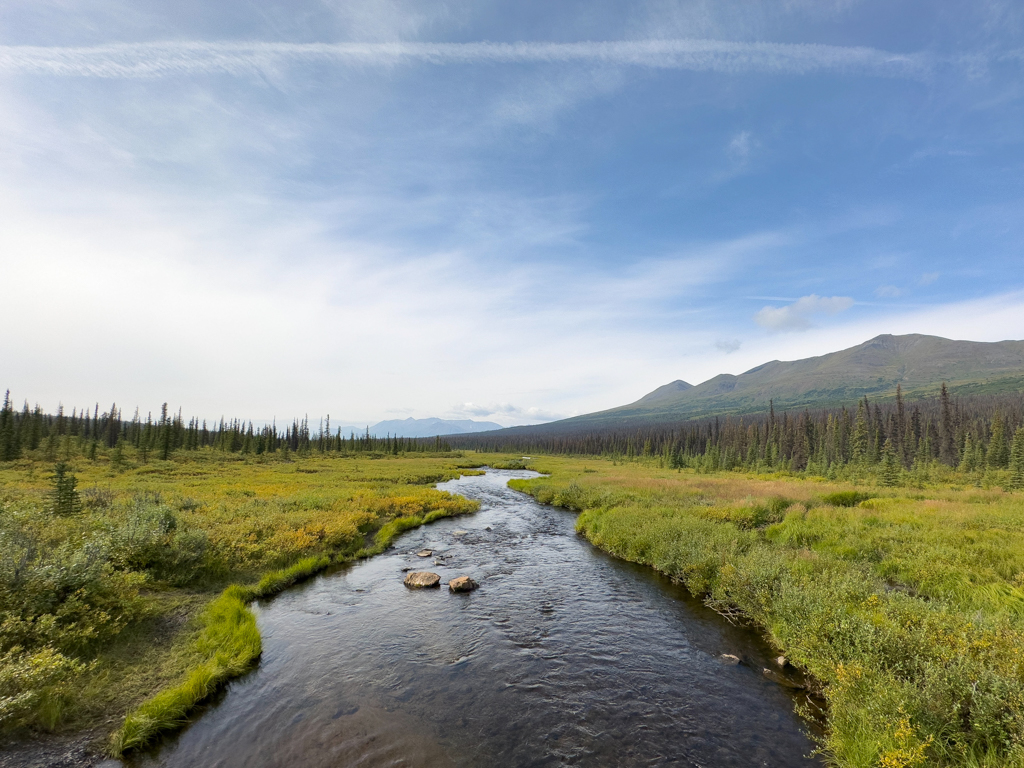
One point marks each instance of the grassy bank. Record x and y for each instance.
(133, 598)
(906, 606)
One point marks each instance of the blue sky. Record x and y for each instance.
(508, 211)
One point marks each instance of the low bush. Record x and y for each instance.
(845, 498)
(908, 616)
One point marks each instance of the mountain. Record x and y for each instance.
(918, 363)
(423, 427)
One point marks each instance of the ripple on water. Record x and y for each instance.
(564, 656)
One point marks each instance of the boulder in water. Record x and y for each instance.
(421, 579)
(462, 584)
(425, 552)
(729, 659)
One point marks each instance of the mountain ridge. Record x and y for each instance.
(917, 362)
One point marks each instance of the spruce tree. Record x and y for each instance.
(947, 444)
(967, 463)
(9, 444)
(860, 435)
(890, 466)
(1017, 460)
(64, 497)
(998, 451)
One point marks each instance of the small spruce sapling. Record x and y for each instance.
(65, 498)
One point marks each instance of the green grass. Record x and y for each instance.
(907, 609)
(133, 605)
(231, 643)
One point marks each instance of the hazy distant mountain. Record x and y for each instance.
(423, 427)
(918, 363)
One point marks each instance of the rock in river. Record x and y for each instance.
(425, 553)
(418, 579)
(462, 584)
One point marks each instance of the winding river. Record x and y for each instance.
(564, 656)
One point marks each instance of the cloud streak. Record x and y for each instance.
(168, 59)
(797, 316)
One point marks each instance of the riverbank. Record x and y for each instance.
(563, 655)
(140, 586)
(905, 605)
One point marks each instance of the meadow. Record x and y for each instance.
(125, 580)
(904, 606)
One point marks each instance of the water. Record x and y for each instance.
(564, 656)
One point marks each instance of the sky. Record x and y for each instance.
(509, 211)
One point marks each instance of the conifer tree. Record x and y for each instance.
(9, 444)
(998, 451)
(860, 435)
(947, 443)
(64, 496)
(890, 465)
(967, 463)
(1017, 460)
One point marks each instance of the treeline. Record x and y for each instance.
(85, 432)
(970, 433)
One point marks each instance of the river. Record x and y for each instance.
(564, 656)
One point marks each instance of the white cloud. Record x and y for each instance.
(506, 413)
(162, 59)
(741, 145)
(728, 345)
(797, 316)
(888, 292)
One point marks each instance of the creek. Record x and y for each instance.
(563, 656)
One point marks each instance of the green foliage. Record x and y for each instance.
(149, 540)
(281, 579)
(31, 679)
(143, 539)
(511, 464)
(907, 612)
(1017, 460)
(231, 643)
(65, 499)
(845, 498)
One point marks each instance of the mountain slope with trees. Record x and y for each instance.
(918, 363)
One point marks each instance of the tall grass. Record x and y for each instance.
(109, 598)
(231, 643)
(230, 640)
(907, 611)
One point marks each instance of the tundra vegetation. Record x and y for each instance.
(902, 598)
(125, 577)
(880, 549)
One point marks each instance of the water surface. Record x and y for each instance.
(564, 656)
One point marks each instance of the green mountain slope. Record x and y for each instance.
(918, 363)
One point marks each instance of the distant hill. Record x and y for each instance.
(918, 363)
(423, 427)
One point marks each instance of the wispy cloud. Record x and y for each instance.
(512, 414)
(888, 292)
(163, 59)
(741, 145)
(797, 316)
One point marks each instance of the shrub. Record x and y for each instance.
(845, 498)
(28, 679)
(150, 540)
